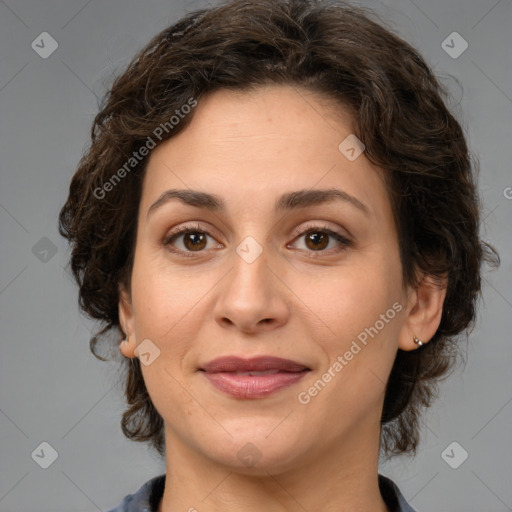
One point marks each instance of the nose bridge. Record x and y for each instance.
(249, 284)
(251, 296)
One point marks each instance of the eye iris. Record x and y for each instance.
(194, 241)
(319, 240)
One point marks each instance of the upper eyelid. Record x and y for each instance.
(311, 226)
(181, 230)
(320, 225)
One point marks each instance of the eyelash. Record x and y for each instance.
(316, 228)
(183, 230)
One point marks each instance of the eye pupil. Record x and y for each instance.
(319, 240)
(194, 241)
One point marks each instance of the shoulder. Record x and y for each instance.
(392, 495)
(145, 499)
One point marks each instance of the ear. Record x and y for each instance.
(126, 320)
(424, 311)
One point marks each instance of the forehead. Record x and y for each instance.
(249, 146)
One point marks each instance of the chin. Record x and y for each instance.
(254, 452)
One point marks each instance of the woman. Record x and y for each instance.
(278, 215)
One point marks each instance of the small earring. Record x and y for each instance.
(417, 341)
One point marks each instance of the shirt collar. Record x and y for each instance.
(149, 495)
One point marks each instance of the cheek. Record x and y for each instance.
(163, 293)
(166, 312)
(351, 298)
(362, 319)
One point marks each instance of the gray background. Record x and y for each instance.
(52, 389)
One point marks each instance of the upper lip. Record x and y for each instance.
(255, 364)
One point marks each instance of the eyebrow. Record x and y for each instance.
(286, 202)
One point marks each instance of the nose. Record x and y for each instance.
(252, 298)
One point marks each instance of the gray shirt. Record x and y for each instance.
(149, 495)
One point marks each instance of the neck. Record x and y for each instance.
(340, 480)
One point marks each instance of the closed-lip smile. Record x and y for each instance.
(256, 377)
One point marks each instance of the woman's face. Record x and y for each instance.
(272, 267)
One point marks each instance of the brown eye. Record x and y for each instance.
(317, 241)
(320, 240)
(194, 241)
(190, 239)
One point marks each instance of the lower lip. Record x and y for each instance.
(253, 386)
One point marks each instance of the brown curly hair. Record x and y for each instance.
(400, 114)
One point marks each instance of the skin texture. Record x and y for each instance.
(293, 302)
